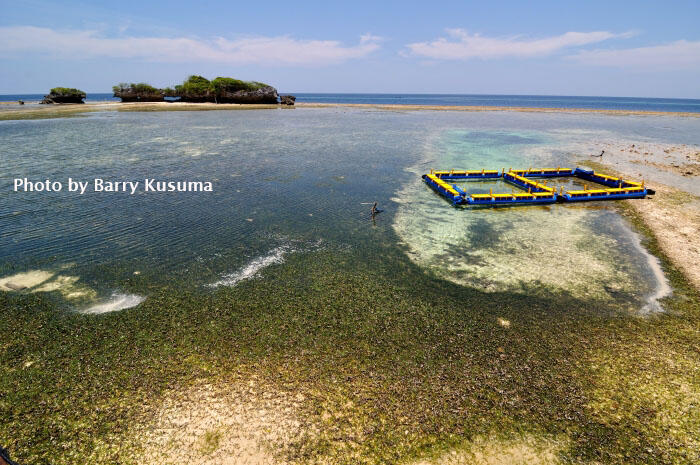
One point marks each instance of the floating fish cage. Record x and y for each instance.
(534, 192)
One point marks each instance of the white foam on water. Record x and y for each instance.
(275, 256)
(118, 301)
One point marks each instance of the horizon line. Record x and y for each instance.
(423, 93)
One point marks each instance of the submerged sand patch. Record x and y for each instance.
(232, 423)
(26, 280)
(492, 450)
(518, 250)
(34, 281)
(586, 252)
(80, 295)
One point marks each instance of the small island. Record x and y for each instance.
(198, 89)
(64, 95)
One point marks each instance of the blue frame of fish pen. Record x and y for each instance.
(536, 193)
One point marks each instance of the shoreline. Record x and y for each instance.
(31, 110)
(496, 108)
(673, 213)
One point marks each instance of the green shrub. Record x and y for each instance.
(226, 84)
(194, 85)
(68, 92)
(194, 88)
(140, 88)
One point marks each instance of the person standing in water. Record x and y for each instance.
(374, 211)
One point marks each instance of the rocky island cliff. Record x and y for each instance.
(197, 89)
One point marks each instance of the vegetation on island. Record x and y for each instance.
(140, 92)
(64, 95)
(200, 89)
(140, 87)
(68, 92)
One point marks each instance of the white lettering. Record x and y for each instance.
(75, 186)
(101, 185)
(133, 185)
(152, 185)
(42, 186)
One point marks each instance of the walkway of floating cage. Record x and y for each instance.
(534, 192)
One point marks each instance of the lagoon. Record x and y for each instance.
(283, 177)
(437, 321)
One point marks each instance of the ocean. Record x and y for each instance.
(533, 101)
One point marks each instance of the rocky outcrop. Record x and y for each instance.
(138, 93)
(139, 97)
(267, 94)
(287, 99)
(64, 95)
(263, 95)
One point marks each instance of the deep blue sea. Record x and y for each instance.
(536, 101)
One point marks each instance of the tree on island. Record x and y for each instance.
(194, 89)
(140, 92)
(225, 90)
(64, 95)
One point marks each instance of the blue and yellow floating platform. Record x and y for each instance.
(534, 192)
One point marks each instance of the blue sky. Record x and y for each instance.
(635, 48)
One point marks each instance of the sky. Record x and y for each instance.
(604, 48)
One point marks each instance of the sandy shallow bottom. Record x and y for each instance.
(241, 423)
(13, 111)
(517, 450)
(586, 251)
(80, 296)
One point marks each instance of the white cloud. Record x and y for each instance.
(462, 45)
(679, 54)
(281, 50)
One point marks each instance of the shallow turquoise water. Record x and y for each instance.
(295, 181)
